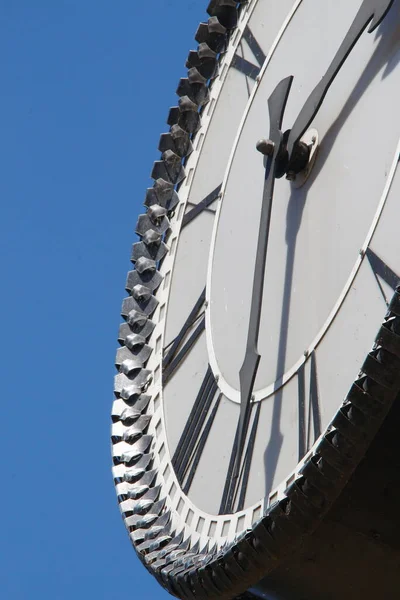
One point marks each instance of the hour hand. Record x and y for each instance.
(276, 107)
(372, 13)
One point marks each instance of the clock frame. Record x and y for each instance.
(168, 536)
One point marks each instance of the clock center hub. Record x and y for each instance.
(310, 144)
(298, 170)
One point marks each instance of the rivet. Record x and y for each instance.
(291, 176)
(266, 147)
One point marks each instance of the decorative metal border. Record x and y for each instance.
(193, 572)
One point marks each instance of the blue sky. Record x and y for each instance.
(85, 91)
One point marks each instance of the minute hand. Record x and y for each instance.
(370, 10)
(276, 106)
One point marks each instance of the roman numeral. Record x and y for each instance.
(381, 270)
(176, 351)
(194, 437)
(235, 489)
(201, 206)
(309, 408)
(245, 66)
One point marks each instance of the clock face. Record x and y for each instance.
(332, 262)
(322, 300)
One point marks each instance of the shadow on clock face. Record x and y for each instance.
(293, 221)
(386, 54)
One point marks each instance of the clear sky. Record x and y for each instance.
(85, 91)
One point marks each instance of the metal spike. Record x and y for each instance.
(142, 465)
(131, 435)
(189, 118)
(136, 318)
(165, 518)
(151, 279)
(142, 507)
(144, 223)
(164, 190)
(131, 367)
(137, 536)
(173, 115)
(124, 354)
(132, 456)
(145, 265)
(195, 76)
(175, 555)
(159, 543)
(204, 51)
(134, 341)
(186, 104)
(146, 307)
(133, 475)
(173, 164)
(140, 424)
(149, 477)
(152, 237)
(137, 492)
(142, 402)
(197, 92)
(130, 389)
(154, 251)
(154, 532)
(141, 293)
(129, 415)
(130, 392)
(141, 522)
(159, 171)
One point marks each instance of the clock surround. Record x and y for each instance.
(305, 499)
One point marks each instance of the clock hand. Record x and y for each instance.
(276, 107)
(374, 10)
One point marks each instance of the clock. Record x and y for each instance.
(260, 349)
